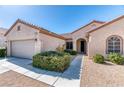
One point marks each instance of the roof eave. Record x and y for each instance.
(38, 28)
(114, 20)
(101, 22)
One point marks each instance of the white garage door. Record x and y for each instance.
(23, 48)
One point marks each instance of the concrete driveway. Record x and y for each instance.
(14, 79)
(71, 77)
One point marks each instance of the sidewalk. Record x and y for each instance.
(70, 78)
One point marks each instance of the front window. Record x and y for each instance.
(114, 44)
(69, 45)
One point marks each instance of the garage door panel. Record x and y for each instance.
(23, 49)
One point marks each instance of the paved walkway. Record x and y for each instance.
(71, 77)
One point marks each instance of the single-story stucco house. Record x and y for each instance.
(24, 40)
(97, 37)
(2, 37)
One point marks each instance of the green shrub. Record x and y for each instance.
(51, 60)
(71, 52)
(116, 58)
(2, 52)
(98, 59)
(60, 48)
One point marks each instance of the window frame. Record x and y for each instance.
(70, 45)
(121, 43)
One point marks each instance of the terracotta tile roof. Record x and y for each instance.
(67, 35)
(42, 30)
(94, 21)
(107, 24)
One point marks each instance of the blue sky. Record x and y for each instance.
(58, 19)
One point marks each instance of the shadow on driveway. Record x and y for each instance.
(73, 72)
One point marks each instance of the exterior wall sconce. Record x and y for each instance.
(35, 39)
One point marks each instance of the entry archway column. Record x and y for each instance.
(75, 45)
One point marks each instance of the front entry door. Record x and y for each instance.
(82, 47)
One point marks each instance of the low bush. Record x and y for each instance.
(116, 58)
(60, 48)
(71, 52)
(51, 60)
(98, 59)
(2, 52)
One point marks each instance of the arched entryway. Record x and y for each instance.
(82, 46)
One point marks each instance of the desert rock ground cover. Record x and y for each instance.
(102, 75)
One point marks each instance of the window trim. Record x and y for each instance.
(121, 43)
(69, 44)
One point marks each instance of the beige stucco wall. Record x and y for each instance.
(26, 33)
(81, 34)
(50, 43)
(43, 42)
(97, 39)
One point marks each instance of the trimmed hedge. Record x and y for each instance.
(2, 52)
(71, 52)
(98, 59)
(51, 60)
(116, 58)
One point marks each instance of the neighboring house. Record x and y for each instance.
(25, 40)
(2, 37)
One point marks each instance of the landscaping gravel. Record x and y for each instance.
(102, 75)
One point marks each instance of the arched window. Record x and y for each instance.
(114, 44)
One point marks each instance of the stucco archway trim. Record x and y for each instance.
(81, 45)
